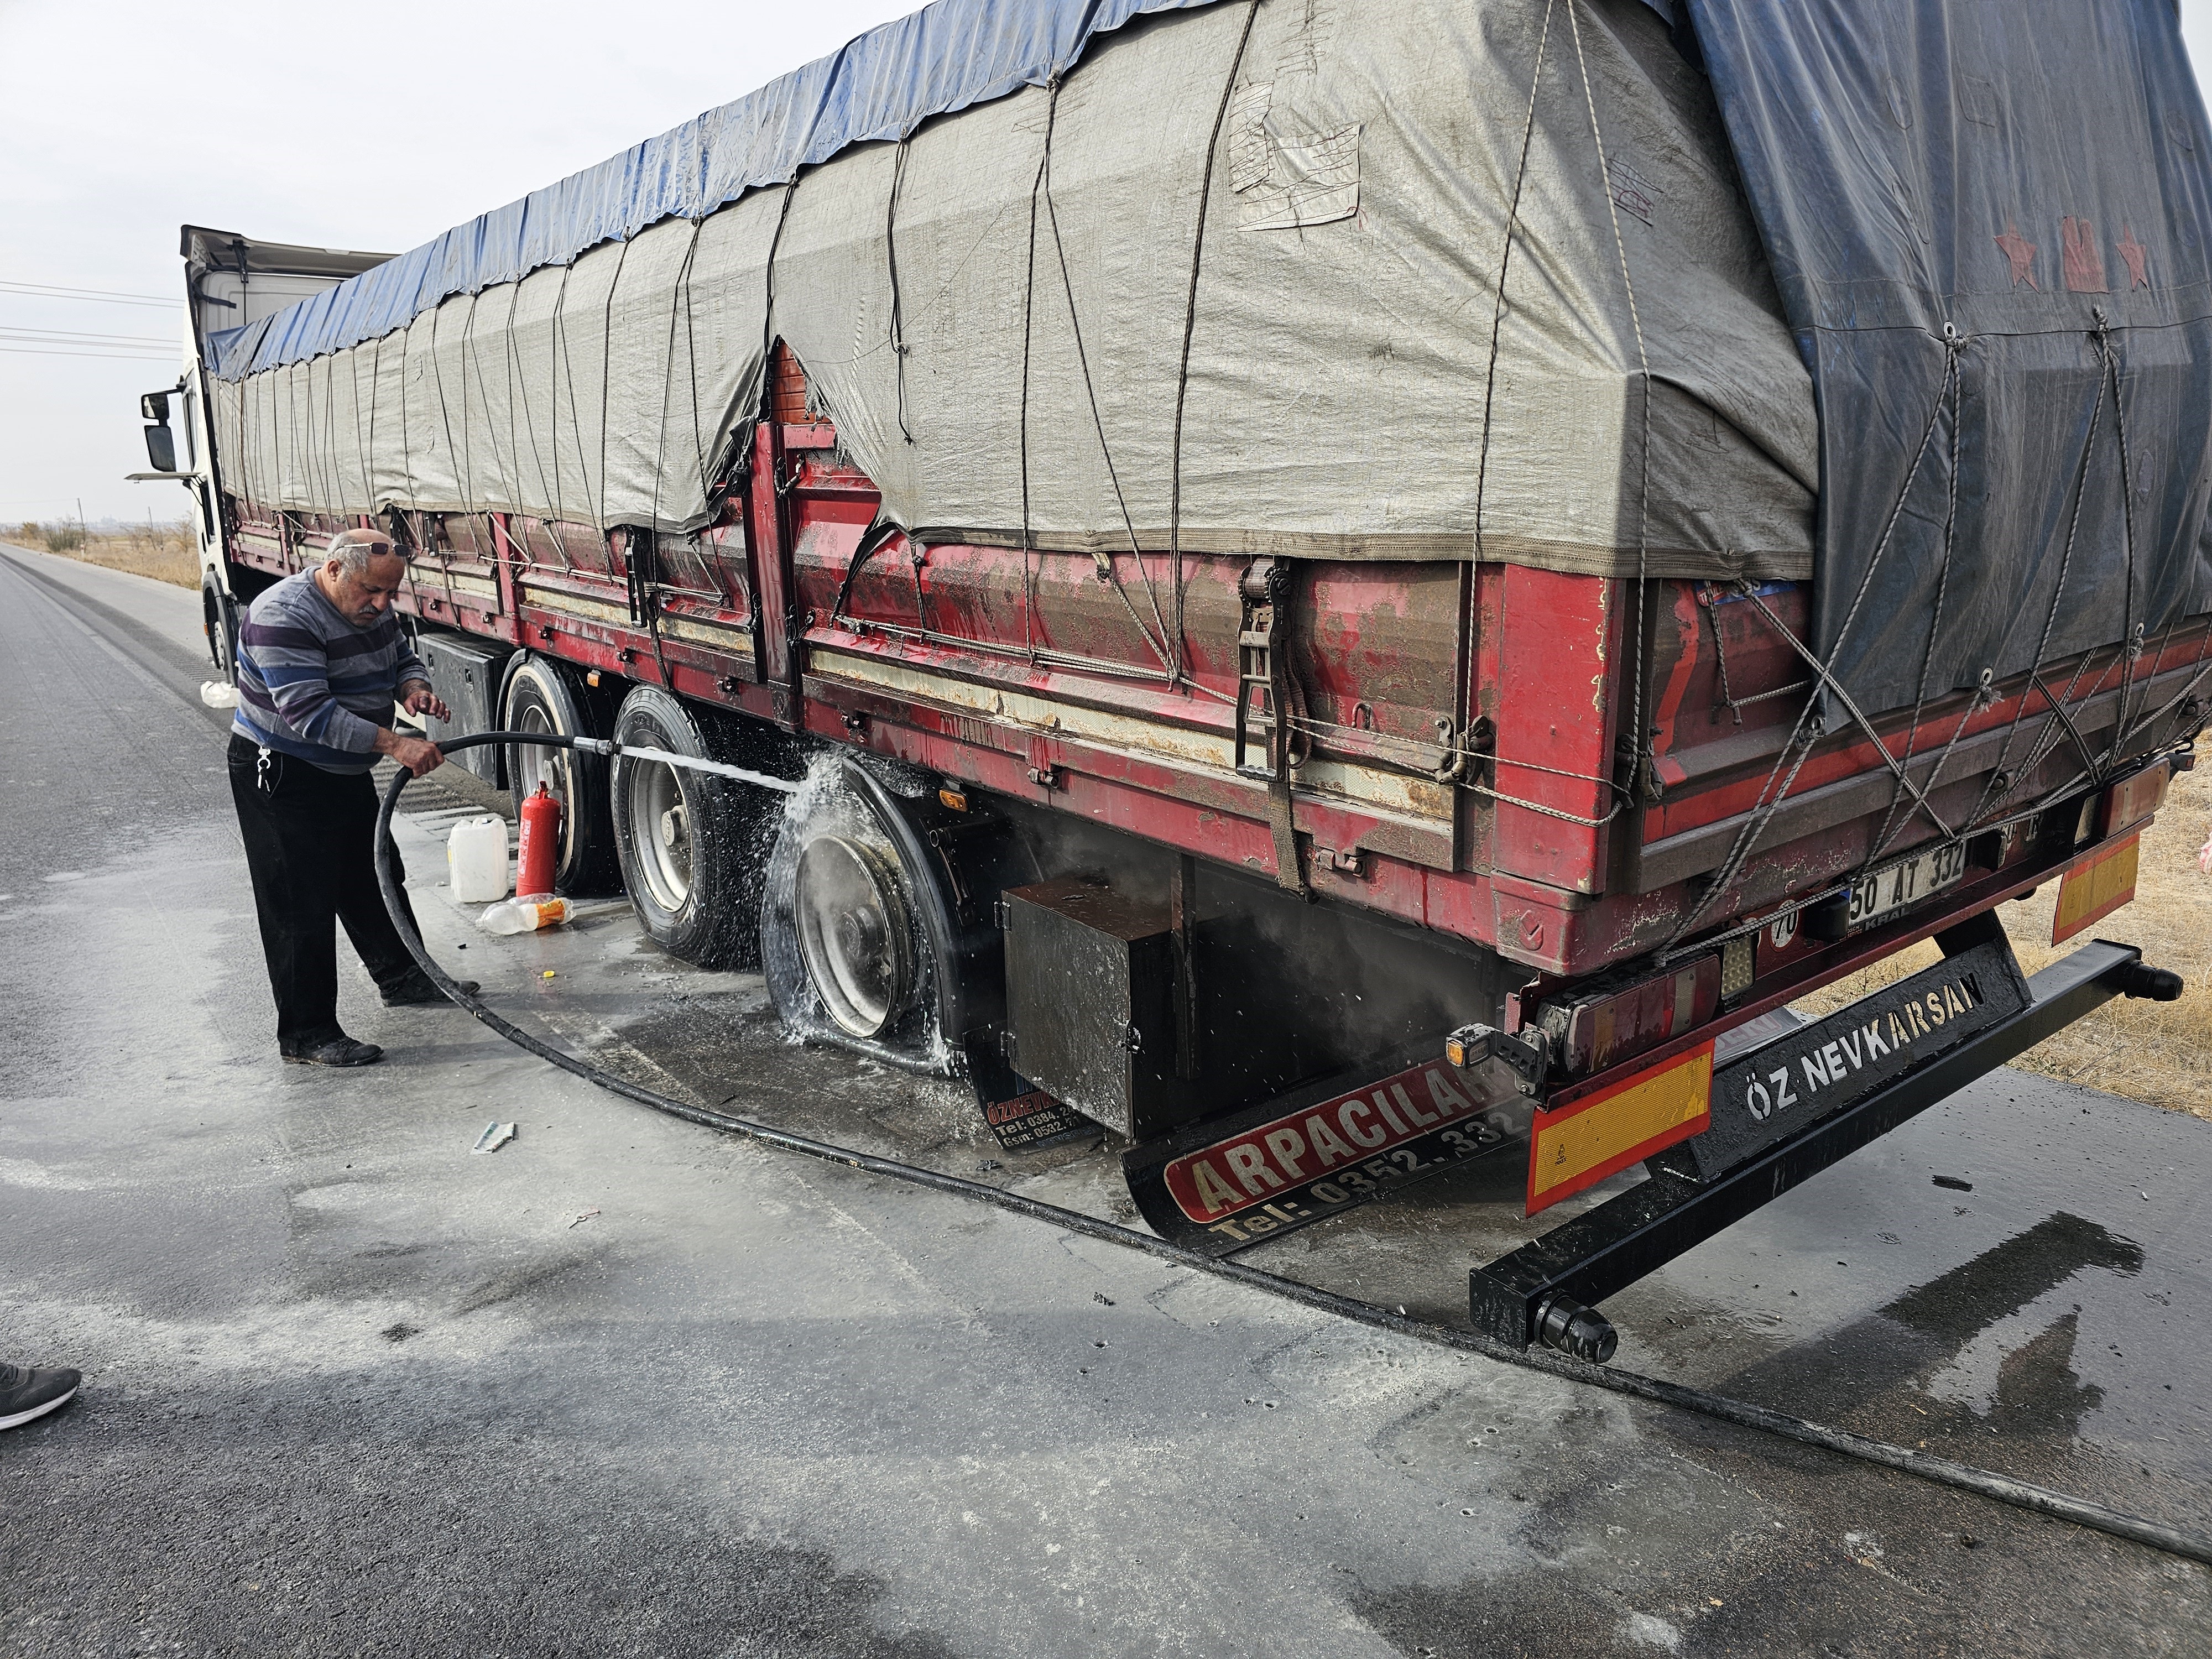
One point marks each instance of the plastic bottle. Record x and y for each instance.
(524, 915)
(476, 860)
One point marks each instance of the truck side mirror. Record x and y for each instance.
(161, 448)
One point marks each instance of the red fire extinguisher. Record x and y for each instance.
(540, 844)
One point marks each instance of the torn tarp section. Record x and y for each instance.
(2025, 188)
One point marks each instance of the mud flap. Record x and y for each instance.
(1341, 1142)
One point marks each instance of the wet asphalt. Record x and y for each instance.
(627, 1386)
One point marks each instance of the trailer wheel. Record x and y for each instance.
(690, 842)
(877, 932)
(538, 697)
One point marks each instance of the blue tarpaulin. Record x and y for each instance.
(880, 86)
(2022, 187)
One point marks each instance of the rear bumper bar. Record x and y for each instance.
(1584, 1261)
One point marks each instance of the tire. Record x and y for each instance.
(219, 614)
(877, 931)
(692, 845)
(539, 696)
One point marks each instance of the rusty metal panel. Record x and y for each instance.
(1556, 717)
(787, 387)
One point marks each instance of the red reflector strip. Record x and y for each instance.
(2094, 888)
(1603, 1134)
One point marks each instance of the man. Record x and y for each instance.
(321, 660)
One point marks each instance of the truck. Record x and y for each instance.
(1349, 587)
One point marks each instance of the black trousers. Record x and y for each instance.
(308, 835)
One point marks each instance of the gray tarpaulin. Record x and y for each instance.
(1343, 397)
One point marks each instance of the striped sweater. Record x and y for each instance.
(310, 683)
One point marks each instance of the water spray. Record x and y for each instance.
(611, 750)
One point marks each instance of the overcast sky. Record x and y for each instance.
(367, 127)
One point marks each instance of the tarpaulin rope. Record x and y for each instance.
(1107, 572)
(597, 499)
(1996, 790)
(375, 390)
(457, 453)
(678, 301)
(1189, 330)
(516, 374)
(1806, 732)
(1987, 1483)
(2130, 629)
(353, 365)
(2004, 781)
(890, 264)
(708, 479)
(508, 461)
(1638, 737)
(2172, 704)
(576, 427)
(1891, 825)
(1029, 317)
(1710, 601)
(1639, 740)
(1505, 265)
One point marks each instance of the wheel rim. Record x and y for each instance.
(660, 831)
(530, 766)
(856, 933)
(218, 635)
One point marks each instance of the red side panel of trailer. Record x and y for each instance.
(1465, 733)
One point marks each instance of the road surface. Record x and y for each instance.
(627, 1386)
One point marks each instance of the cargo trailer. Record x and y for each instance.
(1356, 586)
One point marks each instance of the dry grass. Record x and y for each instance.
(166, 552)
(2159, 1053)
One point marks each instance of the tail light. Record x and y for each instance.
(2133, 799)
(1595, 1031)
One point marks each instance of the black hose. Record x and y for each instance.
(1963, 1476)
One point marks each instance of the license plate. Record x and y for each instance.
(1895, 886)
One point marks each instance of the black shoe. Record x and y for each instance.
(339, 1050)
(26, 1393)
(421, 991)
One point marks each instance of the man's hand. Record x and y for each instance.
(417, 698)
(417, 754)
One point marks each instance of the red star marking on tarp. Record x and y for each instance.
(2021, 251)
(2083, 262)
(2135, 253)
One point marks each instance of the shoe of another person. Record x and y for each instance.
(420, 991)
(339, 1050)
(28, 1391)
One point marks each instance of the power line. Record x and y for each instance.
(97, 356)
(105, 296)
(59, 335)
